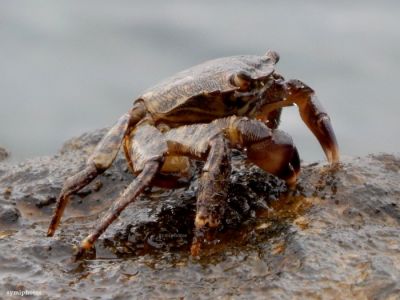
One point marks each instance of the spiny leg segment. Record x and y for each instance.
(127, 197)
(98, 162)
(71, 185)
(212, 192)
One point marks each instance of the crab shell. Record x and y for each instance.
(210, 90)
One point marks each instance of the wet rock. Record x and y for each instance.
(336, 236)
(8, 215)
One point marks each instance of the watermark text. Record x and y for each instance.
(23, 293)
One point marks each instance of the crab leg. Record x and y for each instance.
(98, 162)
(71, 185)
(127, 197)
(212, 191)
(271, 150)
(311, 111)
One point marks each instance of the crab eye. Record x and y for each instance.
(242, 80)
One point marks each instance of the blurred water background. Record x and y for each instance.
(67, 67)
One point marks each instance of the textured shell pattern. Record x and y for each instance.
(209, 78)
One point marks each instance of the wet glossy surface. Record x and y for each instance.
(336, 236)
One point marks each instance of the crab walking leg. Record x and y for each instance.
(127, 197)
(271, 150)
(71, 185)
(311, 111)
(98, 162)
(212, 191)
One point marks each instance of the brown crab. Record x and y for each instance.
(238, 86)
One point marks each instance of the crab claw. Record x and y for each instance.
(323, 130)
(315, 117)
(276, 155)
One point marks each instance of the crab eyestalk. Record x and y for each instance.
(242, 80)
(314, 116)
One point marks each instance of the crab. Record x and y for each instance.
(197, 113)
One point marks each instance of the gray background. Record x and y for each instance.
(67, 67)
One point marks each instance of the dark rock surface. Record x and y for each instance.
(336, 237)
